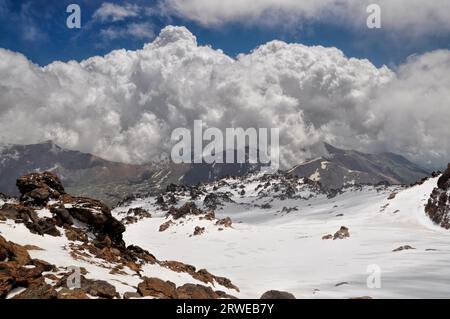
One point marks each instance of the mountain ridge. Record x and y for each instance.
(342, 167)
(85, 174)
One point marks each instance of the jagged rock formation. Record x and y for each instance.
(91, 235)
(438, 205)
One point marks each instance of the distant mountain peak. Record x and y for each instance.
(343, 167)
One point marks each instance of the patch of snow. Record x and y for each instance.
(44, 212)
(316, 176)
(14, 292)
(267, 250)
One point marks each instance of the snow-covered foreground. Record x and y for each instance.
(269, 249)
(55, 250)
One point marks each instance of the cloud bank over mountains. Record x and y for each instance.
(124, 106)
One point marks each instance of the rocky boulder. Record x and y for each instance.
(38, 290)
(438, 205)
(10, 251)
(157, 288)
(214, 200)
(275, 294)
(66, 293)
(444, 180)
(17, 269)
(192, 291)
(342, 233)
(225, 222)
(39, 188)
(98, 288)
(97, 215)
(187, 209)
(199, 230)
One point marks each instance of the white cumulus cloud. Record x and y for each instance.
(115, 12)
(135, 30)
(410, 16)
(125, 105)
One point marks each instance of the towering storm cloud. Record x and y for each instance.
(125, 105)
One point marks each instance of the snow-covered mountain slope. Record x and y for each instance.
(278, 237)
(346, 167)
(83, 174)
(88, 175)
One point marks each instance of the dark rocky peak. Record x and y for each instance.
(444, 180)
(46, 191)
(438, 205)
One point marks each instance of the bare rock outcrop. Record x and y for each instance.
(342, 233)
(438, 205)
(275, 294)
(94, 236)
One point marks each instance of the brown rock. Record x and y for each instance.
(444, 180)
(136, 252)
(438, 207)
(14, 252)
(392, 196)
(327, 237)
(225, 282)
(342, 233)
(38, 188)
(191, 291)
(118, 271)
(6, 280)
(98, 288)
(3, 254)
(43, 226)
(30, 182)
(66, 293)
(62, 216)
(104, 242)
(275, 294)
(179, 267)
(165, 225)
(139, 212)
(76, 234)
(98, 216)
(199, 230)
(225, 222)
(204, 276)
(17, 212)
(40, 195)
(129, 220)
(45, 266)
(131, 295)
(13, 276)
(210, 215)
(33, 247)
(401, 248)
(157, 288)
(39, 290)
(133, 266)
(22, 214)
(187, 209)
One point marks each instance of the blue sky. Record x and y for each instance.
(124, 107)
(38, 30)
